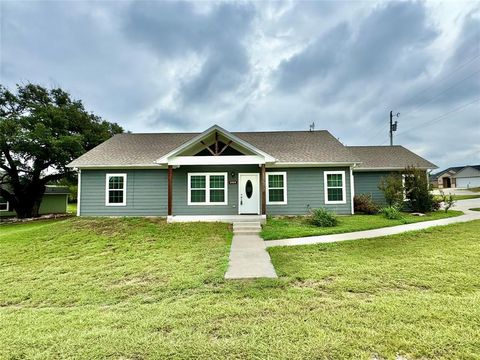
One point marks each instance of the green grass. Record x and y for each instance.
(141, 289)
(72, 208)
(475, 209)
(290, 227)
(476, 189)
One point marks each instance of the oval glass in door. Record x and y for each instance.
(249, 189)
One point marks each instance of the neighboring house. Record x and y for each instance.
(468, 177)
(445, 179)
(218, 175)
(458, 177)
(54, 201)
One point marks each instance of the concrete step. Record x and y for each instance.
(250, 228)
(246, 232)
(246, 223)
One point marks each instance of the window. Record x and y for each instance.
(207, 189)
(116, 190)
(4, 205)
(334, 187)
(276, 188)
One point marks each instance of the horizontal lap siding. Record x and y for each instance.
(146, 193)
(53, 204)
(305, 189)
(180, 190)
(368, 182)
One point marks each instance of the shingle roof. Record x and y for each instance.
(54, 189)
(286, 146)
(455, 169)
(388, 157)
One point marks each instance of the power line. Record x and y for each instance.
(438, 118)
(444, 78)
(421, 105)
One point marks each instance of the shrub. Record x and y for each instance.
(322, 217)
(417, 191)
(448, 201)
(364, 203)
(392, 189)
(392, 213)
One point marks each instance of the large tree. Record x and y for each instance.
(41, 131)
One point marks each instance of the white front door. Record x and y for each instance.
(248, 193)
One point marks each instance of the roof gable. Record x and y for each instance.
(215, 129)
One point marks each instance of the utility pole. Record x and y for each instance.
(393, 126)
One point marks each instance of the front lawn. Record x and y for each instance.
(291, 227)
(143, 289)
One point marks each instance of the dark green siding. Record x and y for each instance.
(180, 190)
(305, 190)
(367, 183)
(146, 193)
(51, 204)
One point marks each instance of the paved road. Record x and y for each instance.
(463, 205)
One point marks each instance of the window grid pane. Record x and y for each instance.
(275, 181)
(198, 196)
(198, 182)
(3, 206)
(335, 194)
(217, 195)
(275, 195)
(217, 182)
(115, 182)
(115, 196)
(334, 180)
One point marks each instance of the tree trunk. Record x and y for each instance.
(28, 202)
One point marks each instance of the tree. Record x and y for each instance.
(392, 189)
(41, 131)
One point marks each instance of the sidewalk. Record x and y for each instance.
(462, 205)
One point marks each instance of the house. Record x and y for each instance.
(468, 177)
(458, 177)
(445, 179)
(54, 201)
(219, 175)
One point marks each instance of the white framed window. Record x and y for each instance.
(116, 189)
(4, 205)
(207, 189)
(335, 190)
(276, 188)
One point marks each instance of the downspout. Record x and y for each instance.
(79, 191)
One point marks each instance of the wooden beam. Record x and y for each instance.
(170, 189)
(226, 146)
(208, 148)
(216, 143)
(263, 189)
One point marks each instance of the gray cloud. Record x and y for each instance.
(181, 66)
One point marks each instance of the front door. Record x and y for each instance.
(248, 193)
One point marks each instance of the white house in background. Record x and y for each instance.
(468, 177)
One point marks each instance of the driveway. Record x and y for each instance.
(454, 191)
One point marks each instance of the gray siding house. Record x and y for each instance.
(222, 176)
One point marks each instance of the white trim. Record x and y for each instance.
(284, 173)
(388, 169)
(79, 191)
(166, 158)
(124, 190)
(207, 188)
(257, 175)
(217, 218)
(217, 160)
(8, 206)
(325, 187)
(352, 190)
(310, 164)
(115, 167)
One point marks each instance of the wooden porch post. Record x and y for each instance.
(170, 189)
(263, 189)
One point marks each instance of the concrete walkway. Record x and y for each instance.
(248, 255)
(462, 205)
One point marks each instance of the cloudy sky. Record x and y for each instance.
(177, 66)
